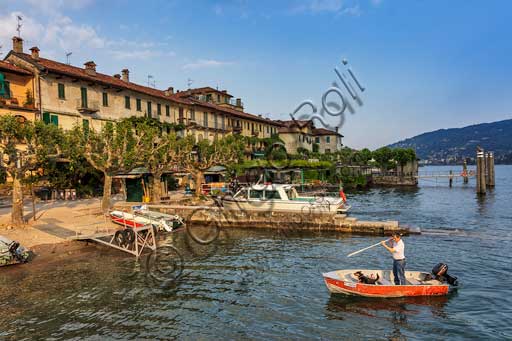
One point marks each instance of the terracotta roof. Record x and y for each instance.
(323, 131)
(233, 112)
(73, 71)
(13, 68)
(296, 123)
(201, 91)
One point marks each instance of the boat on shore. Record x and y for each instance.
(141, 216)
(282, 197)
(11, 252)
(418, 284)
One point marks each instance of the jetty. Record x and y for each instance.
(280, 220)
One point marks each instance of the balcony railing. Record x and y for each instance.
(88, 107)
(17, 102)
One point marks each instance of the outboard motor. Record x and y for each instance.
(440, 272)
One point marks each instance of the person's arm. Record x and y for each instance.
(390, 249)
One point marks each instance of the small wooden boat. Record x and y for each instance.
(11, 252)
(418, 284)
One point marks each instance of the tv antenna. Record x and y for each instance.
(189, 82)
(18, 26)
(68, 54)
(150, 77)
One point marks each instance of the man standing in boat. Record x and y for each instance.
(397, 249)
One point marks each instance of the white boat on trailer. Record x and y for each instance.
(142, 216)
(282, 197)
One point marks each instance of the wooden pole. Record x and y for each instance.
(465, 171)
(492, 179)
(451, 178)
(487, 159)
(480, 172)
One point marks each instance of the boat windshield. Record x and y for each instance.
(272, 195)
(241, 194)
(292, 193)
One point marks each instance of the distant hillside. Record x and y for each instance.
(453, 145)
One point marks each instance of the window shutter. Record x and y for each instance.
(46, 117)
(55, 120)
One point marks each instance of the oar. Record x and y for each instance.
(366, 248)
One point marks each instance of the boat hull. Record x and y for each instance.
(283, 205)
(341, 282)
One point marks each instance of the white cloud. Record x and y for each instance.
(205, 63)
(338, 7)
(139, 54)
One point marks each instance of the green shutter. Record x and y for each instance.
(54, 120)
(127, 102)
(46, 117)
(139, 104)
(159, 109)
(83, 92)
(62, 92)
(2, 85)
(105, 99)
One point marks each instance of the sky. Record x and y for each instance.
(424, 65)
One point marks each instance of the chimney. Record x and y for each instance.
(239, 102)
(118, 76)
(169, 91)
(17, 44)
(90, 68)
(224, 91)
(35, 52)
(126, 75)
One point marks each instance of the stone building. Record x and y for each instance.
(327, 141)
(302, 135)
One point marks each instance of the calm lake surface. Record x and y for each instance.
(259, 285)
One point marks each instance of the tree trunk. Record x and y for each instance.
(156, 193)
(107, 192)
(17, 202)
(199, 181)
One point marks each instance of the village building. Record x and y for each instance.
(17, 92)
(302, 135)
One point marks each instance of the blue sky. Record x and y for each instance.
(425, 64)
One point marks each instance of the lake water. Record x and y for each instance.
(261, 285)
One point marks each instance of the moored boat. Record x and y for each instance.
(141, 216)
(282, 197)
(418, 284)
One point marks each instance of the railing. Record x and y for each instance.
(87, 107)
(17, 101)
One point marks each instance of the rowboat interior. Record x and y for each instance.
(385, 277)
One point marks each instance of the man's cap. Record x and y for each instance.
(396, 234)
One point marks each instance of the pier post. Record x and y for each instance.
(487, 159)
(491, 170)
(480, 172)
(465, 171)
(451, 178)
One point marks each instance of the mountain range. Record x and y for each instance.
(450, 146)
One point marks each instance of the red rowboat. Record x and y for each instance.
(127, 219)
(418, 284)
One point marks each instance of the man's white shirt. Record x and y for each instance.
(399, 250)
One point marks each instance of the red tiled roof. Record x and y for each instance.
(201, 91)
(323, 131)
(295, 123)
(13, 68)
(181, 97)
(73, 71)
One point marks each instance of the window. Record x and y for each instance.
(181, 118)
(260, 128)
(50, 118)
(209, 98)
(268, 129)
(149, 109)
(215, 123)
(158, 109)
(62, 92)
(317, 139)
(327, 150)
(205, 119)
(252, 127)
(223, 122)
(127, 102)
(272, 195)
(167, 110)
(139, 104)
(253, 194)
(193, 114)
(218, 98)
(328, 139)
(105, 100)
(5, 88)
(83, 93)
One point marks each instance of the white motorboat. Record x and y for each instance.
(282, 197)
(141, 216)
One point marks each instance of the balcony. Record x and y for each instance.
(89, 107)
(17, 102)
